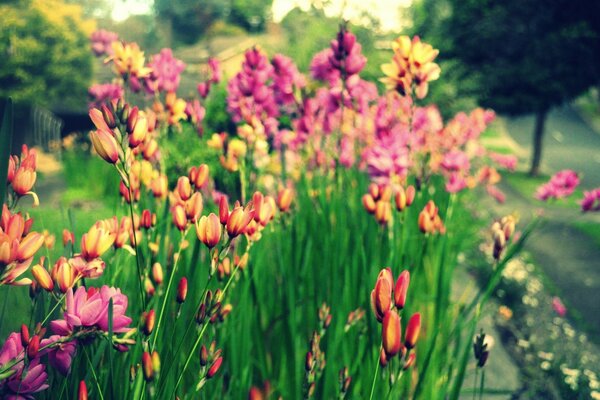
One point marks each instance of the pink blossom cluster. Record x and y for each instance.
(214, 77)
(250, 92)
(103, 93)
(561, 185)
(346, 55)
(286, 79)
(591, 200)
(26, 380)
(507, 161)
(166, 72)
(101, 42)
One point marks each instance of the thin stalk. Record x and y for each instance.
(475, 383)
(87, 357)
(135, 246)
(374, 378)
(482, 384)
(166, 295)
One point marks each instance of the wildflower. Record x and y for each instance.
(481, 348)
(429, 219)
(42, 277)
(562, 184)
(96, 242)
(89, 309)
(105, 93)
(179, 217)
(391, 333)
(148, 320)
(182, 289)
(412, 331)
(214, 368)
(166, 72)
(591, 200)
(60, 353)
(208, 230)
(105, 145)
(238, 220)
(102, 41)
(284, 199)
(128, 60)
(381, 296)
(24, 382)
(198, 176)
(157, 273)
(400, 289)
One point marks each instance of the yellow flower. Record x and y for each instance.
(129, 59)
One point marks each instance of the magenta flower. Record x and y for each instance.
(455, 161)
(562, 184)
(455, 183)
(214, 70)
(558, 307)
(89, 309)
(60, 355)
(26, 381)
(195, 113)
(591, 200)
(166, 72)
(321, 68)
(286, 79)
(102, 93)
(505, 160)
(101, 42)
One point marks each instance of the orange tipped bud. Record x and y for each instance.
(42, 277)
(383, 212)
(368, 203)
(29, 245)
(132, 117)
(223, 210)
(105, 145)
(410, 361)
(238, 220)
(309, 362)
(208, 230)
(284, 199)
(149, 319)
(410, 195)
(64, 274)
(385, 193)
(179, 217)
(194, 206)
(157, 273)
(400, 199)
(401, 289)
(155, 362)
(374, 191)
(199, 176)
(184, 188)
(137, 136)
(148, 219)
(383, 358)
(255, 394)
(109, 116)
(23, 180)
(412, 331)
(214, 368)
(96, 242)
(25, 338)
(68, 237)
(391, 333)
(182, 289)
(203, 356)
(82, 393)
(147, 366)
(33, 347)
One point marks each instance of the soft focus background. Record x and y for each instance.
(535, 62)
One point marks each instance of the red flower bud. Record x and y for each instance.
(401, 288)
(214, 368)
(83, 393)
(412, 331)
(391, 333)
(182, 289)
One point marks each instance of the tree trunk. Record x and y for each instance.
(538, 134)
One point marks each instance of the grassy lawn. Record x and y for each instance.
(591, 229)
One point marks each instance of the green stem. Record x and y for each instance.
(87, 357)
(135, 246)
(374, 378)
(482, 384)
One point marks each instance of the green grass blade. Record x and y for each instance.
(6, 133)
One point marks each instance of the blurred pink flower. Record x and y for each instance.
(562, 184)
(558, 307)
(90, 309)
(166, 72)
(507, 161)
(321, 69)
(214, 70)
(455, 160)
(591, 200)
(496, 193)
(26, 380)
(101, 42)
(455, 183)
(105, 92)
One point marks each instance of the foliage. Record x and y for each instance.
(45, 51)
(250, 14)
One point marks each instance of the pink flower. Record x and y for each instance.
(214, 70)
(455, 183)
(559, 307)
(166, 72)
(102, 93)
(101, 42)
(455, 160)
(505, 160)
(61, 355)
(562, 184)
(26, 380)
(496, 193)
(89, 309)
(591, 200)
(321, 69)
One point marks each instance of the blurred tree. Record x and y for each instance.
(252, 15)
(526, 56)
(98, 9)
(45, 51)
(187, 20)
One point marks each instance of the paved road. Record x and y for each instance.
(566, 255)
(568, 143)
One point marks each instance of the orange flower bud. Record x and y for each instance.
(42, 277)
(208, 230)
(410, 195)
(179, 217)
(160, 187)
(385, 193)
(194, 206)
(67, 237)
(137, 136)
(199, 176)
(105, 145)
(184, 188)
(182, 289)
(155, 361)
(203, 356)
(382, 358)
(23, 180)
(255, 394)
(157, 273)
(391, 333)
(83, 393)
(368, 203)
(25, 338)
(223, 210)
(400, 199)
(147, 366)
(381, 298)
(64, 274)
(284, 199)
(412, 331)
(96, 242)
(401, 288)
(109, 116)
(238, 220)
(149, 320)
(374, 191)
(33, 347)
(214, 368)
(12, 166)
(383, 212)
(29, 245)
(410, 361)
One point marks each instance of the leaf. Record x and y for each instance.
(6, 133)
